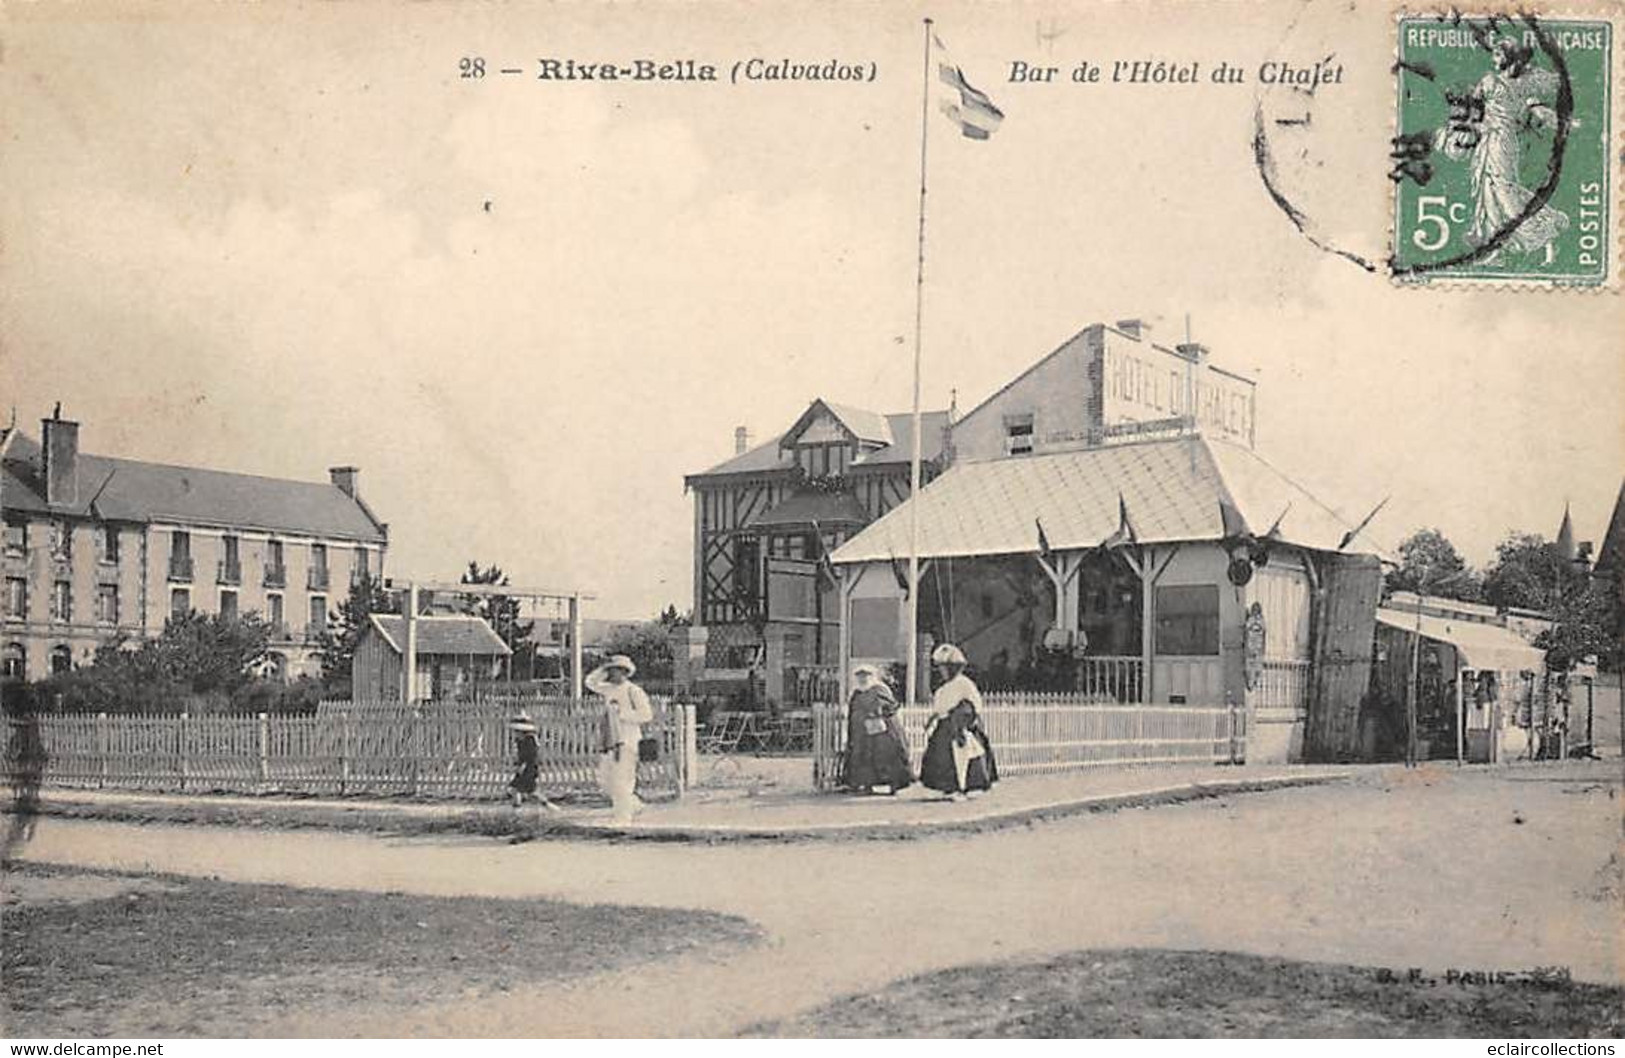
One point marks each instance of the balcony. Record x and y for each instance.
(228, 571)
(316, 578)
(276, 576)
(180, 569)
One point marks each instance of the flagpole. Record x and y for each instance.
(913, 680)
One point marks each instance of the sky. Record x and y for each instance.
(283, 238)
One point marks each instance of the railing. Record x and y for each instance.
(1108, 678)
(180, 569)
(316, 578)
(1039, 733)
(276, 576)
(228, 572)
(1280, 683)
(374, 751)
(806, 684)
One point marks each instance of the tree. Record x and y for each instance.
(1585, 623)
(1528, 572)
(669, 618)
(649, 647)
(501, 612)
(1431, 565)
(1531, 573)
(344, 628)
(196, 660)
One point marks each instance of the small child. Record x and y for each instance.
(524, 780)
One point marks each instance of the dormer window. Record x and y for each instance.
(1018, 434)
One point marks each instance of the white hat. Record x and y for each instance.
(521, 722)
(621, 661)
(867, 670)
(948, 654)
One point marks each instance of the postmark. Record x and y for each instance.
(1501, 150)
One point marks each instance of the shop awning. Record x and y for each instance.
(1480, 646)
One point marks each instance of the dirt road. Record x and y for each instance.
(1435, 869)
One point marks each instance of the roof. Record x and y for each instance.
(864, 424)
(442, 634)
(1174, 489)
(895, 431)
(1481, 646)
(136, 491)
(902, 449)
(1612, 552)
(804, 508)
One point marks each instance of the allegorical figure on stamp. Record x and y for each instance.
(1514, 99)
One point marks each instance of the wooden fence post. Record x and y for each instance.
(265, 747)
(691, 745)
(181, 737)
(102, 748)
(344, 751)
(1235, 732)
(415, 747)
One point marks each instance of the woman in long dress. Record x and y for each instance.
(876, 752)
(958, 756)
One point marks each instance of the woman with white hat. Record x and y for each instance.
(876, 753)
(524, 735)
(627, 710)
(958, 757)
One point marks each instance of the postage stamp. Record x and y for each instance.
(1500, 157)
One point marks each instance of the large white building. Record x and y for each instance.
(95, 546)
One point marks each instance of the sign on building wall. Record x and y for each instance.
(1142, 383)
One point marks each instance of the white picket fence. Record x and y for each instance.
(454, 754)
(1039, 733)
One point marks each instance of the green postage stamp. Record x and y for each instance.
(1500, 159)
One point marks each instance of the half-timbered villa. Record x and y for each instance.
(765, 621)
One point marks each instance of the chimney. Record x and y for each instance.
(345, 478)
(60, 454)
(1134, 328)
(741, 440)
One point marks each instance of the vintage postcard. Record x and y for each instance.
(668, 520)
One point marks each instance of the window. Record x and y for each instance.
(180, 603)
(61, 660)
(228, 605)
(61, 541)
(1188, 620)
(318, 615)
(318, 566)
(110, 537)
(361, 568)
(14, 662)
(107, 604)
(273, 613)
(180, 555)
(1018, 434)
(231, 564)
(61, 601)
(276, 574)
(747, 583)
(16, 537)
(16, 597)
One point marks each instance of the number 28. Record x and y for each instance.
(471, 67)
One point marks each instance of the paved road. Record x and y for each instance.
(1436, 869)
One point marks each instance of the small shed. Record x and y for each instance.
(456, 654)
